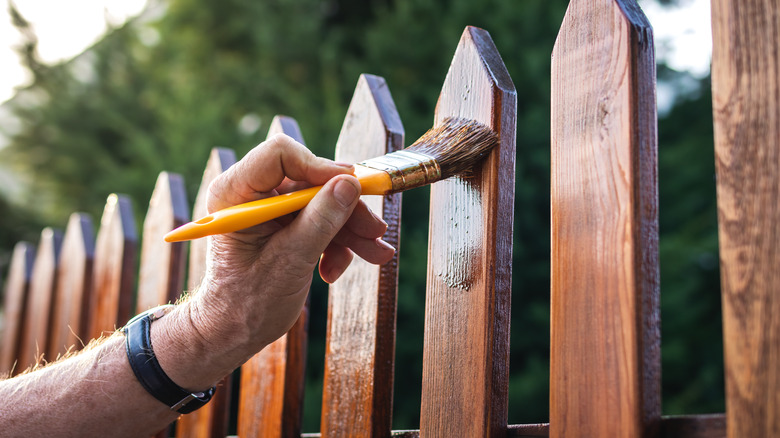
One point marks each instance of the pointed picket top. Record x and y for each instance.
(74, 287)
(212, 419)
(605, 340)
(14, 308)
(219, 161)
(470, 257)
(272, 381)
(116, 247)
(358, 394)
(161, 277)
(39, 304)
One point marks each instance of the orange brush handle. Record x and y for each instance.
(238, 217)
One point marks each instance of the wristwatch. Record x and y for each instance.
(147, 370)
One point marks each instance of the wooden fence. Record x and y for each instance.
(605, 341)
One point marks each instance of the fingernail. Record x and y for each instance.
(343, 164)
(382, 244)
(345, 193)
(376, 216)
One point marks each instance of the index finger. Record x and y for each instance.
(265, 167)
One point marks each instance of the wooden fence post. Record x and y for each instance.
(15, 304)
(73, 288)
(161, 277)
(357, 395)
(466, 347)
(272, 381)
(114, 268)
(746, 112)
(39, 304)
(605, 340)
(212, 419)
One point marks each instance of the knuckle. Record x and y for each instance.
(324, 222)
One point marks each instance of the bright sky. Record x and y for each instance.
(66, 28)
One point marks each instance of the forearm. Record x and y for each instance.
(95, 392)
(91, 394)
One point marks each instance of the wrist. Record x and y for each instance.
(186, 357)
(148, 371)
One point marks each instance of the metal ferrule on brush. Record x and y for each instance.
(407, 169)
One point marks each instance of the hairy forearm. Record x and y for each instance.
(93, 393)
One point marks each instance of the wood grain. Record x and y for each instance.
(466, 345)
(605, 341)
(212, 419)
(272, 381)
(38, 312)
(74, 287)
(161, 277)
(746, 113)
(14, 308)
(357, 395)
(116, 247)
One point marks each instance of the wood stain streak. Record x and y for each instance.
(605, 358)
(745, 96)
(161, 277)
(212, 419)
(15, 305)
(74, 287)
(360, 347)
(114, 267)
(272, 381)
(38, 313)
(466, 345)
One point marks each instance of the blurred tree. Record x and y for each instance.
(159, 92)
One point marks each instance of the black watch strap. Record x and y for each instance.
(147, 370)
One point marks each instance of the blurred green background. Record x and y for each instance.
(158, 92)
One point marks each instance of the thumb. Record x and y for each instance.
(317, 224)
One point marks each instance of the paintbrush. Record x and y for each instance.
(452, 148)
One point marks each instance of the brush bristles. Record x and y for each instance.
(457, 145)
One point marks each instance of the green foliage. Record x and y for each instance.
(158, 93)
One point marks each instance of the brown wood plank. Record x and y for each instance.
(161, 277)
(272, 381)
(746, 112)
(357, 395)
(39, 304)
(212, 419)
(116, 247)
(466, 346)
(74, 287)
(605, 340)
(14, 308)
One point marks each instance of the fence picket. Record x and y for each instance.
(15, 305)
(605, 340)
(272, 381)
(212, 419)
(358, 394)
(39, 304)
(745, 96)
(466, 344)
(73, 288)
(161, 277)
(116, 247)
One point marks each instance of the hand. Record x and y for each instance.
(257, 279)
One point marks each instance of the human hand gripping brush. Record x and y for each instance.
(452, 148)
